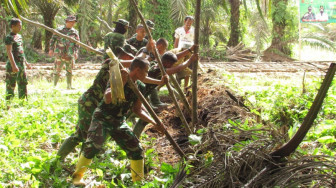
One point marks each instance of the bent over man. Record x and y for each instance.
(109, 119)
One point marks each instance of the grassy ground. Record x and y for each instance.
(32, 130)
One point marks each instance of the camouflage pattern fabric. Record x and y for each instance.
(113, 40)
(89, 101)
(62, 47)
(109, 119)
(137, 44)
(59, 63)
(20, 77)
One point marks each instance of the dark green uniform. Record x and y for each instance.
(137, 44)
(12, 77)
(110, 119)
(113, 40)
(154, 72)
(87, 103)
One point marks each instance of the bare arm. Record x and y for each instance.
(182, 66)
(138, 110)
(126, 63)
(149, 80)
(185, 52)
(11, 58)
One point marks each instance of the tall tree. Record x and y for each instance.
(234, 22)
(48, 10)
(132, 18)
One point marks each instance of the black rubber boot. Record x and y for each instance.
(139, 127)
(56, 78)
(155, 100)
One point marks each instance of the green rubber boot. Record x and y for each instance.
(139, 127)
(155, 100)
(56, 78)
(67, 146)
(69, 81)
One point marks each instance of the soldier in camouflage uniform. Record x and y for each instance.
(109, 119)
(15, 67)
(65, 50)
(150, 26)
(116, 38)
(138, 41)
(168, 60)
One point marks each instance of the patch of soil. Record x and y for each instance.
(214, 107)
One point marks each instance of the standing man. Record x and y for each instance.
(15, 67)
(65, 50)
(138, 41)
(185, 35)
(116, 39)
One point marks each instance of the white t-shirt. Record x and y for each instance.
(186, 39)
(323, 17)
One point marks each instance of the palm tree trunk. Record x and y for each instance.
(3, 24)
(132, 18)
(234, 22)
(279, 48)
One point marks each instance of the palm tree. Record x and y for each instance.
(234, 22)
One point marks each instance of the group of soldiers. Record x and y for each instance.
(98, 118)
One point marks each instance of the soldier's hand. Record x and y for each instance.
(160, 128)
(164, 79)
(51, 53)
(76, 56)
(108, 96)
(194, 57)
(192, 48)
(28, 65)
(15, 69)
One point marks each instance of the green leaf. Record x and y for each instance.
(327, 140)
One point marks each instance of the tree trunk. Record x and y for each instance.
(279, 49)
(132, 18)
(49, 10)
(3, 23)
(37, 39)
(234, 22)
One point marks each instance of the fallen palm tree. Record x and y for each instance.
(230, 156)
(240, 53)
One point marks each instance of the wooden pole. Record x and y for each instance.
(170, 89)
(88, 48)
(195, 65)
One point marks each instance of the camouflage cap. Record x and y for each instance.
(71, 18)
(122, 22)
(150, 24)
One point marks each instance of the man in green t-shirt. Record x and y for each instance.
(15, 67)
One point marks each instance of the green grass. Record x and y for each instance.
(31, 131)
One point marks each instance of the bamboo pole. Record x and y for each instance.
(153, 114)
(180, 114)
(181, 94)
(88, 48)
(195, 65)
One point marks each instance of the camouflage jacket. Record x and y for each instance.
(137, 44)
(113, 40)
(118, 111)
(96, 92)
(63, 47)
(17, 48)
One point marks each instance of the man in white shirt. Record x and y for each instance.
(322, 16)
(184, 36)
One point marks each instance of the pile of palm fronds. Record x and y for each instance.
(240, 53)
(240, 159)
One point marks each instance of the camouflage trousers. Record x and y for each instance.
(118, 129)
(59, 63)
(86, 107)
(16, 77)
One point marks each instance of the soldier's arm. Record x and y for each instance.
(11, 58)
(149, 80)
(141, 113)
(182, 66)
(52, 45)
